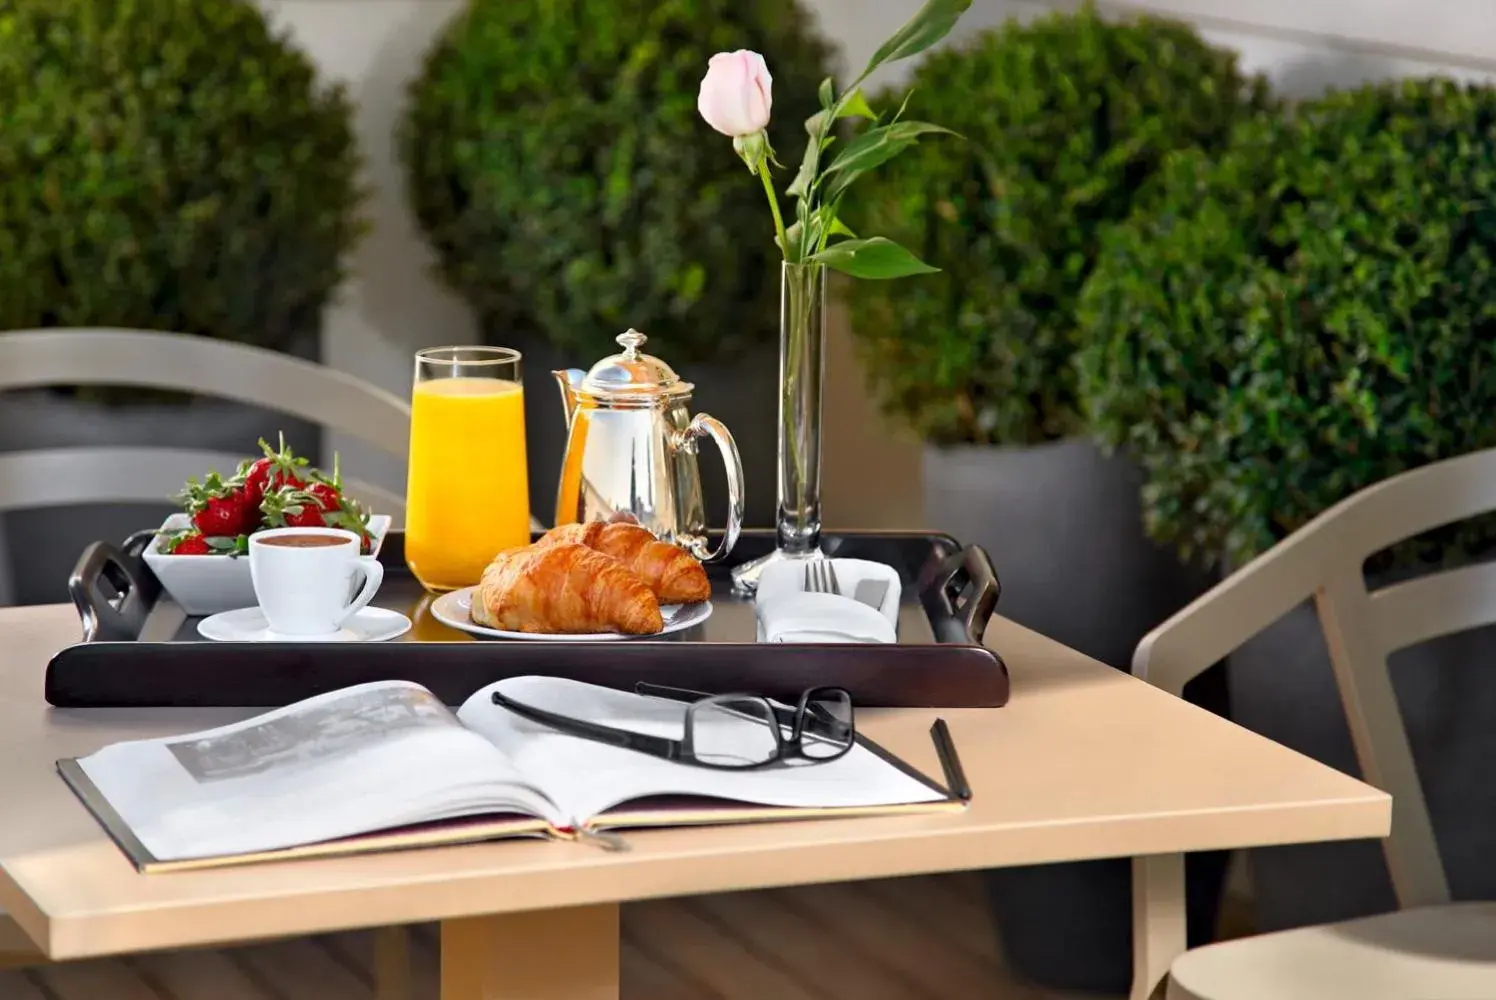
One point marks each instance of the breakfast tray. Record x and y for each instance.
(139, 648)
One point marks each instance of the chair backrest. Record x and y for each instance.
(1324, 560)
(56, 477)
(61, 476)
(333, 399)
(34, 358)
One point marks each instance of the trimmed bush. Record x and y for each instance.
(558, 166)
(169, 165)
(1310, 314)
(1067, 119)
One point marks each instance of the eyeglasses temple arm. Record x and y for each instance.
(666, 691)
(659, 746)
(786, 716)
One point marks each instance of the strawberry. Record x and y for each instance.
(248, 506)
(190, 545)
(308, 498)
(220, 517)
(290, 507)
(350, 516)
(252, 477)
(326, 495)
(338, 509)
(276, 468)
(328, 490)
(309, 517)
(217, 507)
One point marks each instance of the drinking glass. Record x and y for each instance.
(468, 492)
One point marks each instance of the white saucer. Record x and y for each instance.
(248, 625)
(455, 610)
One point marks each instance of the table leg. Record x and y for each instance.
(1158, 927)
(567, 954)
(16, 948)
(392, 964)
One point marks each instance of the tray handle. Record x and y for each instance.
(962, 595)
(111, 590)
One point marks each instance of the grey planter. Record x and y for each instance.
(740, 393)
(1063, 526)
(44, 545)
(1282, 687)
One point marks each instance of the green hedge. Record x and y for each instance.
(1067, 119)
(170, 165)
(558, 165)
(1312, 313)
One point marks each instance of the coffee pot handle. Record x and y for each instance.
(706, 426)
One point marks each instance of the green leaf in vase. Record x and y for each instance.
(839, 228)
(873, 148)
(933, 22)
(793, 236)
(876, 258)
(815, 128)
(854, 105)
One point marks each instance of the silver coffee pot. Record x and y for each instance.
(631, 450)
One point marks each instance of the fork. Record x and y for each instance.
(820, 577)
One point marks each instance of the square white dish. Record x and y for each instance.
(207, 585)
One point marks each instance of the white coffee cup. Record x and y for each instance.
(310, 588)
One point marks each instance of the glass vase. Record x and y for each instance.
(802, 376)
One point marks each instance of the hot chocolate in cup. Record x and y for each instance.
(310, 581)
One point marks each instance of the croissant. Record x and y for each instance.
(565, 588)
(670, 571)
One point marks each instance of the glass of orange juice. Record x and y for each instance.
(467, 492)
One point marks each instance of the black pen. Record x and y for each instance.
(950, 761)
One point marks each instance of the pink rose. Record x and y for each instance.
(736, 93)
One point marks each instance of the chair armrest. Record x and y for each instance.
(1233, 611)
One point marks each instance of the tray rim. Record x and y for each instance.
(77, 584)
(932, 576)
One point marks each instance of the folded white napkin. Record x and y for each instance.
(788, 613)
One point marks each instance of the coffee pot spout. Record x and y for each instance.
(569, 380)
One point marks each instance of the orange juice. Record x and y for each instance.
(467, 496)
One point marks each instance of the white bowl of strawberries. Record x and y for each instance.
(199, 555)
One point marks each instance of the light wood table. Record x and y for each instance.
(1085, 762)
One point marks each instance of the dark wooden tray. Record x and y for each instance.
(139, 649)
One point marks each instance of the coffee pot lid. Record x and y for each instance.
(632, 375)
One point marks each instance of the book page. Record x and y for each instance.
(348, 762)
(585, 777)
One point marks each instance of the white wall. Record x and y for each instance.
(1303, 45)
(393, 306)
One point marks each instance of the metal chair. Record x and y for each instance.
(1427, 947)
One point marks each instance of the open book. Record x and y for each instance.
(386, 765)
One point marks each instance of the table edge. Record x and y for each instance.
(921, 851)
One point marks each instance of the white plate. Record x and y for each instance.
(248, 625)
(455, 609)
(207, 585)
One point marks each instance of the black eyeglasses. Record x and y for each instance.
(726, 731)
